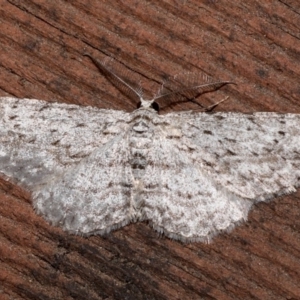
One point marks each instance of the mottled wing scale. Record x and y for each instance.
(40, 140)
(93, 197)
(195, 185)
(254, 156)
(56, 150)
(181, 199)
(191, 175)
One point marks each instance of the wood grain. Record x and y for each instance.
(253, 43)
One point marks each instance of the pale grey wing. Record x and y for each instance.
(255, 156)
(183, 200)
(93, 197)
(39, 139)
(205, 171)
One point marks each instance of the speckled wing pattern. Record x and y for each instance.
(70, 157)
(209, 169)
(40, 140)
(190, 175)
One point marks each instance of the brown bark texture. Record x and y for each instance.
(254, 43)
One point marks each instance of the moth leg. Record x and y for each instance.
(211, 107)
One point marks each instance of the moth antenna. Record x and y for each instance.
(193, 92)
(121, 84)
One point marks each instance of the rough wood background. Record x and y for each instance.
(254, 43)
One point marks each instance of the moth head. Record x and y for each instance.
(148, 104)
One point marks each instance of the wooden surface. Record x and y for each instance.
(253, 43)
